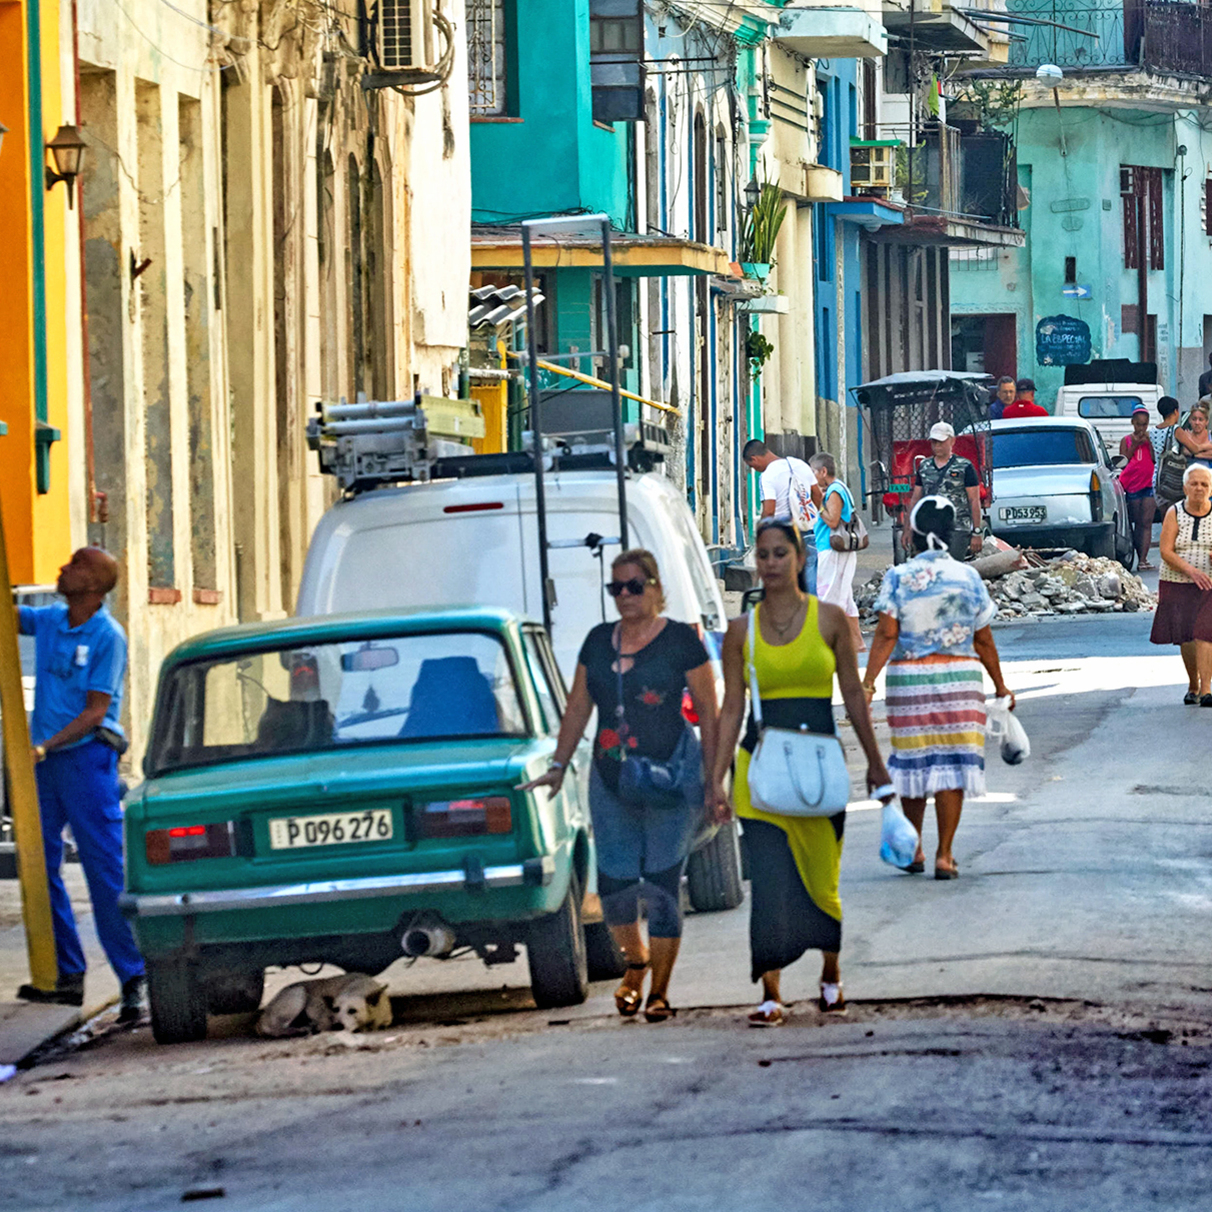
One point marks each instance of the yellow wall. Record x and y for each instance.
(37, 525)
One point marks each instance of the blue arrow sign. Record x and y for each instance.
(1077, 292)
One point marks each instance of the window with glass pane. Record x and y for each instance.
(551, 712)
(488, 57)
(322, 696)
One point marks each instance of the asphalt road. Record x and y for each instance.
(1035, 1035)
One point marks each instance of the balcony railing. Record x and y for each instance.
(964, 176)
(1171, 36)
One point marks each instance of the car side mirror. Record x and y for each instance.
(1118, 463)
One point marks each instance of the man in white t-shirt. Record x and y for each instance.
(788, 488)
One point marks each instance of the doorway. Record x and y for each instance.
(985, 344)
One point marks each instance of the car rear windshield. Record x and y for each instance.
(1041, 447)
(335, 695)
(1100, 408)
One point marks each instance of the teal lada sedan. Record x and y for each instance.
(343, 790)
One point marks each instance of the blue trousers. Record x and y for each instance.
(79, 787)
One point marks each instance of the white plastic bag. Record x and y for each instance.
(898, 838)
(1003, 726)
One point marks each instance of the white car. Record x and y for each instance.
(1055, 485)
(1108, 406)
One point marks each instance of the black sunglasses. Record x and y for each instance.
(635, 587)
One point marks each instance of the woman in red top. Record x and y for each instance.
(1136, 479)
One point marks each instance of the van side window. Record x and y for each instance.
(550, 700)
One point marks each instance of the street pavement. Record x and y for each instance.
(1035, 1035)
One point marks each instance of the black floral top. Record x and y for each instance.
(652, 694)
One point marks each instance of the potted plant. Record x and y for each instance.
(761, 231)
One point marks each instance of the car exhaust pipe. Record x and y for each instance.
(428, 936)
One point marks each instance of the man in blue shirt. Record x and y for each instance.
(80, 662)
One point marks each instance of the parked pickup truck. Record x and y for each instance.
(343, 790)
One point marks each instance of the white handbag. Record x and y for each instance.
(793, 772)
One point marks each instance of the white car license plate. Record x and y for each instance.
(1024, 513)
(330, 829)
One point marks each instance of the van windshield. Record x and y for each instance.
(322, 696)
(1041, 447)
(1100, 408)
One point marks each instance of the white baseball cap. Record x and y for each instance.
(941, 432)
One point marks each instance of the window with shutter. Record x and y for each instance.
(1157, 228)
(616, 59)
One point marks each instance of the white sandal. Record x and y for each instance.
(769, 1014)
(833, 999)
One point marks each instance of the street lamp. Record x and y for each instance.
(67, 151)
(1049, 73)
(752, 192)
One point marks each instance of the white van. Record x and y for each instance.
(1106, 393)
(474, 541)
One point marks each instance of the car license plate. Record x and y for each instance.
(1024, 513)
(330, 829)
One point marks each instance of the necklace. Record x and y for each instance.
(781, 630)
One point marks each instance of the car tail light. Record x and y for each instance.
(688, 712)
(184, 843)
(1096, 497)
(465, 818)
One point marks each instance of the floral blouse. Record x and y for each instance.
(939, 603)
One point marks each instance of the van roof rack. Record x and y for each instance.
(371, 443)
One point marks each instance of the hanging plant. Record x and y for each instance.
(762, 225)
(758, 350)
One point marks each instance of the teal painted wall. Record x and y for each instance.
(554, 159)
(1076, 212)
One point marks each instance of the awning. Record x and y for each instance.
(948, 30)
(867, 212)
(635, 256)
(956, 231)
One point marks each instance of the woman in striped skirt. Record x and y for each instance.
(934, 624)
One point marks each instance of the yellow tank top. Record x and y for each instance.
(802, 668)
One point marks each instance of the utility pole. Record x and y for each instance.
(23, 789)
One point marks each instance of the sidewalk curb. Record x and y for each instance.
(26, 1027)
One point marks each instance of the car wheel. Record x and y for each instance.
(235, 992)
(178, 1001)
(713, 873)
(555, 947)
(605, 960)
(899, 554)
(1125, 553)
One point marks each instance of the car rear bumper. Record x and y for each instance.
(1068, 534)
(533, 873)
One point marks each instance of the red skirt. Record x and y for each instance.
(1184, 613)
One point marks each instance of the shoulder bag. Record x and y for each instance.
(793, 772)
(645, 782)
(852, 535)
(1171, 467)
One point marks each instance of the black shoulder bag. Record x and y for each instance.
(645, 782)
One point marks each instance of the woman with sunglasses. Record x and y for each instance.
(794, 862)
(641, 847)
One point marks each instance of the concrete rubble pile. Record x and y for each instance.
(1070, 583)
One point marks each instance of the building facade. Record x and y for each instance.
(1111, 154)
(254, 230)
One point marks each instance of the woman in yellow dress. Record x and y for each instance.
(794, 862)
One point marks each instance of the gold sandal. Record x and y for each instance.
(626, 999)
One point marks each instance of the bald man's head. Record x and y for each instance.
(90, 572)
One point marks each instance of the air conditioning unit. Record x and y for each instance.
(872, 163)
(404, 35)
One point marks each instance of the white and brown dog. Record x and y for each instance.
(350, 1002)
